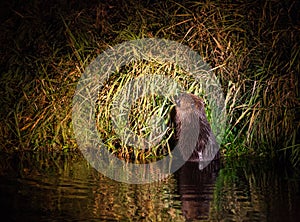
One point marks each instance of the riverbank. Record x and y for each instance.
(253, 48)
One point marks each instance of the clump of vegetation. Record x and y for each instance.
(132, 112)
(253, 48)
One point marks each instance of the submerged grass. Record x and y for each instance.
(253, 48)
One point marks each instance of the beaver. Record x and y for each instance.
(193, 134)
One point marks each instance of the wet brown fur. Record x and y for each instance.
(188, 109)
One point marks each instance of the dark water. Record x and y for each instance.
(56, 187)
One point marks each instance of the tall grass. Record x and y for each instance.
(253, 48)
(129, 115)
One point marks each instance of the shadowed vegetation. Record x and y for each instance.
(253, 48)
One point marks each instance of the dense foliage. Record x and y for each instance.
(253, 47)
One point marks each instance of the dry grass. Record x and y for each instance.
(254, 48)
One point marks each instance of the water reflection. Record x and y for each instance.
(257, 190)
(63, 187)
(196, 189)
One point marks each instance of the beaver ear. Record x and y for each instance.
(177, 101)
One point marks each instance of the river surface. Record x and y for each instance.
(64, 187)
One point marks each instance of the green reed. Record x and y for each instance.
(252, 47)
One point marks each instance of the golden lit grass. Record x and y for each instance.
(253, 48)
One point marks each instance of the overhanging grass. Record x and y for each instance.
(254, 48)
(147, 111)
